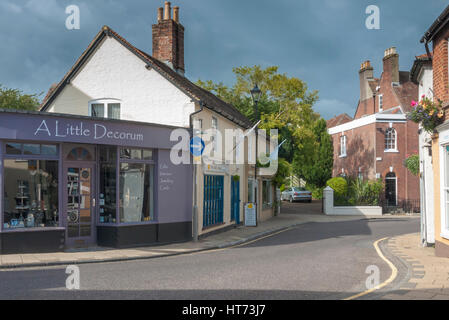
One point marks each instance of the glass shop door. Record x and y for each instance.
(79, 205)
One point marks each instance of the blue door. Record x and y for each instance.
(213, 201)
(235, 201)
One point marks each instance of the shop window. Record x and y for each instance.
(136, 185)
(30, 149)
(105, 108)
(136, 154)
(267, 195)
(108, 184)
(136, 192)
(30, 193)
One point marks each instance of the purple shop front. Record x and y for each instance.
(72, 181)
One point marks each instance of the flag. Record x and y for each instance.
(274, 154)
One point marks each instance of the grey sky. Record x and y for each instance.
(322, 42)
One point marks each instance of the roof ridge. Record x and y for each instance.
(181, 82)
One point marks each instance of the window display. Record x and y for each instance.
(30, 193)
(136, 185)
(108, 184)
(136, 192)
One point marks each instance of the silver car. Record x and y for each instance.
(296, 194)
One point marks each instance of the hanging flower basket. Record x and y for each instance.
(428, 113)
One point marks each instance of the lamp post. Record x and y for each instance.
(255, 94)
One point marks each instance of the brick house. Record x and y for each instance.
(375, 143)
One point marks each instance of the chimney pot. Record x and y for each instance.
(176, 14)
(167, 10)
(390, 51)
(160, 14)
(365, 65)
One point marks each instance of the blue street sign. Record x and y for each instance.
(197, 146)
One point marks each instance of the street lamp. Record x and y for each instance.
(255, 94)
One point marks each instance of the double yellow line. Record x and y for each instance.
(394, 273)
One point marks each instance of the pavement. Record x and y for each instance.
(428, 274)
(292, 215)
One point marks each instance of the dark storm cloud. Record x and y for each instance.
(322, 42)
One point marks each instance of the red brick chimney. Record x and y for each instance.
(366, 73)
(391, 65)
(168, 38)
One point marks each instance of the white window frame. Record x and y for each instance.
(105, 103)
(381, 102)
(444, 192)
(343, 146)
(250, 148)
(214, 126)
(395, 150)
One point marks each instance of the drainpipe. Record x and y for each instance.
(195, 184)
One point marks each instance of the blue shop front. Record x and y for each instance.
(73, 181)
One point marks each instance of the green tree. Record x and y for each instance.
(286, 104)
(16, 99)
(315, 164)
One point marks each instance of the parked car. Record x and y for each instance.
(296, 194)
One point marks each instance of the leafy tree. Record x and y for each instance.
(16, 99)
(286, 104)
(315, 164)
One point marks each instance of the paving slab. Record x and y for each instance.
(429, 275)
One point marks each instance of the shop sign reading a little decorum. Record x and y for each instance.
(83, 130)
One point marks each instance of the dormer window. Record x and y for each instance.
(105, 108)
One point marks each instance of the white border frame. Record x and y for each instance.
(444, 141)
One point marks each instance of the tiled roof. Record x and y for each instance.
(374, 83)
(195, 92)
(338, 120)
(419, 62)
(436, 26)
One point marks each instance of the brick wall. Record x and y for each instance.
(168, 43)
(440, 67)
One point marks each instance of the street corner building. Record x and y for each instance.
(436, 143)
(116, 84)
(71, 181)
(375, 143)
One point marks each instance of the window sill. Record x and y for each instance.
(445, 234)
(391, 151)
(126, 224)
(12, 230)
(343, 156)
